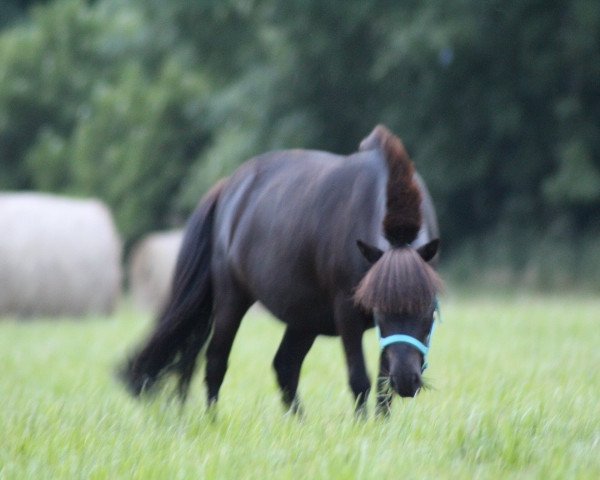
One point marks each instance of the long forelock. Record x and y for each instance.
(400, 282)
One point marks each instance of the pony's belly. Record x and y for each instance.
(302, 314)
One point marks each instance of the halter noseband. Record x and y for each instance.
(412, 341)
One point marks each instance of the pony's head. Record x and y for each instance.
(401, 289)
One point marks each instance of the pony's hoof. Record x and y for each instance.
(211, 411)
(360, 413)
(382, 412)
(294, 409)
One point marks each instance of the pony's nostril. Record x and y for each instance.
(407, 385)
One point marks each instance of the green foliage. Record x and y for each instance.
(89, 108)
(501, 97)
(12, 11)
(492, 99)
(135, 146)
(497, 101)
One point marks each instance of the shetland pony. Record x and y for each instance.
(329, 244)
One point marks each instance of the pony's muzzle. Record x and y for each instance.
(405, 370)
(407, 385)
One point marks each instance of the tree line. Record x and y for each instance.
(146, 103)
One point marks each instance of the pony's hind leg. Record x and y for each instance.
(287, 364)
(228, 313)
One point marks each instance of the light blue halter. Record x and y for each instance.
(400, 338)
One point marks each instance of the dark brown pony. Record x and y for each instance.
(284, 230)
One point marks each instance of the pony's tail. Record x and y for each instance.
(186, 320)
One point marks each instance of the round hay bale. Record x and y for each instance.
(58, 256)
(151, 269)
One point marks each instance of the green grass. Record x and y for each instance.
(516, 395)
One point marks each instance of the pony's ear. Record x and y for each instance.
(371, 253)
(429, 250)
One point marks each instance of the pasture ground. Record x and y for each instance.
(516, 395)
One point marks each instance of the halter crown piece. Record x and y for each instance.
(412, 341)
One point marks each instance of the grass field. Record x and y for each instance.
(516, 395)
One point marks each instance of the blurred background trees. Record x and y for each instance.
(145, 103)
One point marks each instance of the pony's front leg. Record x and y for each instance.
(359, 380)
(350, 324)
(288, 363)
(384, 390)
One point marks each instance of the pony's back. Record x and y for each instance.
(295, 216)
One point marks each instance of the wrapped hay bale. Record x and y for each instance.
(58, 256)
(151, 269)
